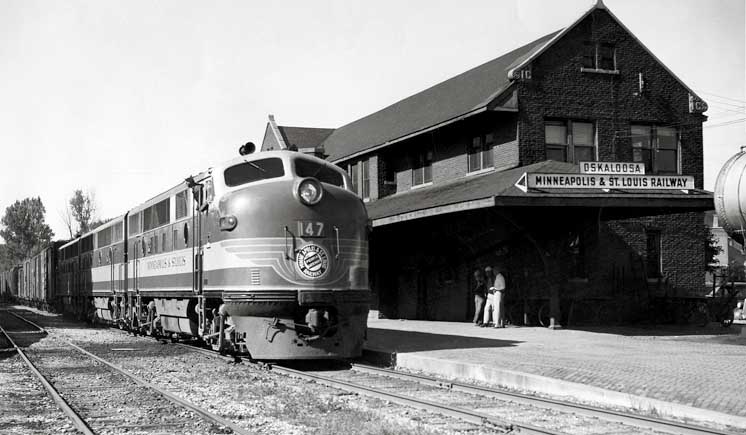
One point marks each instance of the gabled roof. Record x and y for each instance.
(557, 36)
(304, 137)
(466, 94)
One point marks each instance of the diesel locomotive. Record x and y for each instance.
(265, 255)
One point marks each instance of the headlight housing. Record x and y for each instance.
(310, 191)
(228, 223)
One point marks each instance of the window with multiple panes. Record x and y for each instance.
(656, 147)
(359, 173)
(422, 168)
(570, 141)
(365, 179)
(354, 171)
(653, 258)
(599, 56)
(479, 153)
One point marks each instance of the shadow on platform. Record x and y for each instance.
(412, 341)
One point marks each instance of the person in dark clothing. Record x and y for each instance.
(479, 291)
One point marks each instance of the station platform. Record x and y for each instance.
(695, 373)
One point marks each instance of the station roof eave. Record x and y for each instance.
(498, 189)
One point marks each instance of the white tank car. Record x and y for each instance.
(730, 196)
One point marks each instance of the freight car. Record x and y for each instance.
(36, 278)
(9, 284)
(264, 255)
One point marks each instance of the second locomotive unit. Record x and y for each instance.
(265, 255)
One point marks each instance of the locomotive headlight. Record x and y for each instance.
(310, 191)
(228, 223)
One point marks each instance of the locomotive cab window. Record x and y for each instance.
(255, 170)
(322, 172)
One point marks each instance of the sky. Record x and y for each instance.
(127, 98)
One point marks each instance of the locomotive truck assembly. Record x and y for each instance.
(264, 255)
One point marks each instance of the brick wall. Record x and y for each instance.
(558, 89)
(449, 146)
(682, 249)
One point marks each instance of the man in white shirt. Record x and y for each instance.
(495, 297)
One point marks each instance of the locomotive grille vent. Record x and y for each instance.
(255, 277)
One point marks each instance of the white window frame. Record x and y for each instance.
(569, 140)
(482, 167)
(654, 145)
(415, 168)
(597, 58)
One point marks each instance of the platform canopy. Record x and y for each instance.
(504, 189)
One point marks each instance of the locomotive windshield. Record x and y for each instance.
(255, 170)
(323, 173)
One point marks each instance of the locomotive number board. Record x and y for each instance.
(311, 229)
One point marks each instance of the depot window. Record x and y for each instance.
(656, 147)
(599, 56)
(252, 171)
(479, 153)
(570, 141)
(422, 168)
(354, 172)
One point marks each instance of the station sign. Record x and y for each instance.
(605, 181)
(626, 168)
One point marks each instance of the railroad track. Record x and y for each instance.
(626, 418)
(367, 380)
(99, 397)
(499, 410)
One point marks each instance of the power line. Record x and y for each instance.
(725, 98)
(722, 124)
(724, 104)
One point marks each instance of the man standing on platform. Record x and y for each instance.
(489, 306)
(479, 294)
(498, 293)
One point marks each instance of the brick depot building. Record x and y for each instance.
(447, 175)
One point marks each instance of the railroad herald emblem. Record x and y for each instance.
(312, 261)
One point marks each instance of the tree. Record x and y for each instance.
(67, 218)
(712, 250)
(82, 207)
(25, 231)
(5, 261)
(98, 222)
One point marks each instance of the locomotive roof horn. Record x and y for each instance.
(247, 148)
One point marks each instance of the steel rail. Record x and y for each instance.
(451, 411)
(177, 400)
(470, 416)
(65, 407)
(658, 424)
(41, 330)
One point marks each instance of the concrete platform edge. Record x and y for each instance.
(560, 388)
